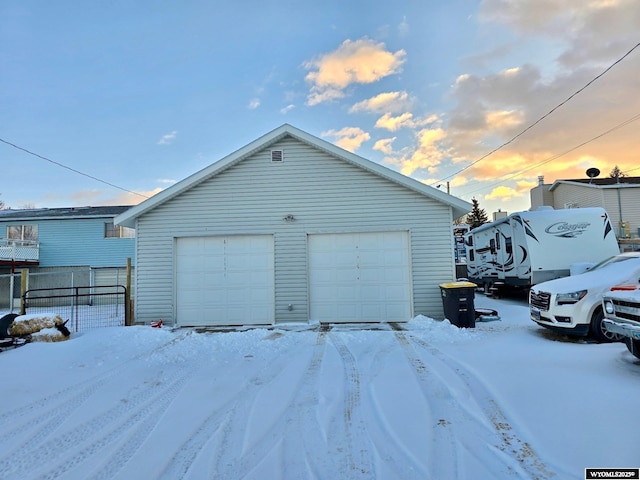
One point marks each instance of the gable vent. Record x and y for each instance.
(277, 155)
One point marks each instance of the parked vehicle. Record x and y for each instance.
(527, 248)
(573, 305)
(622, 315)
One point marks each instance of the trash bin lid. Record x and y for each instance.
(458, 285)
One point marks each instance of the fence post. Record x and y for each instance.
(127, 295)
(11, 290)
(23, 290)
(76, 302)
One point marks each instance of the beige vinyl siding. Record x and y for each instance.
(582, 196)
(628, 203)
(607, 198)
(324, 194)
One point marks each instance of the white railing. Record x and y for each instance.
(23, 250)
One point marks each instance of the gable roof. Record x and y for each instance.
(605, 182)
(128, 218)
(61, 213)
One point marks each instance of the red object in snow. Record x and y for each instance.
(157, 324)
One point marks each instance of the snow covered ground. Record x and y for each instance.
(504, 400)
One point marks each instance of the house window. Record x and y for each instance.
(117, 231)
(22, 232)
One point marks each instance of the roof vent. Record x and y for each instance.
(277, 155)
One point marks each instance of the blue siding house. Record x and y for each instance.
(63, 238)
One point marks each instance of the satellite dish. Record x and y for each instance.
(593, 172)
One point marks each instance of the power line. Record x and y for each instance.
(72, 169)
(509, 176)
(543, 117)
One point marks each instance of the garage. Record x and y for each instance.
(359, 277)
(291, 229)
(225, 280)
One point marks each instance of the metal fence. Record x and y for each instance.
(84, 307)
(53, 277)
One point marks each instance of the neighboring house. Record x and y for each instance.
(619, 197)
(291, 228)
(77, 239)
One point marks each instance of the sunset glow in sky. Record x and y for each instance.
(142, 94)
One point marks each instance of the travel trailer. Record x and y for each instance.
(531, 247)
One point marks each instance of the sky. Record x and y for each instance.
(504, 400)
(123, 99)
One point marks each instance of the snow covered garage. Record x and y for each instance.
(291, 228)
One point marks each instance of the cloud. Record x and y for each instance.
(131, 199)
(501, 120)
(405, 120)
(403, 27)
(254, 103)
(394, 123)
(389, 102)
(168, 138)
(349, 138)
(287, 109)
(384, 145)
(361, 61)
(98, 197)
(427, 153)
(505, 193)
(502, 193)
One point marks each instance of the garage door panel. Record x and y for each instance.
(225, 280)
(394, 275)
(346, 293)
(395, 293)
(367, 272)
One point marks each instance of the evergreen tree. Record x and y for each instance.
(477, 216)
(616, 173)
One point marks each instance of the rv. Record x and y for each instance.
(531, 247)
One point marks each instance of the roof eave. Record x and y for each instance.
(128, 218)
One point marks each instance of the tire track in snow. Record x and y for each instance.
(397, 459)
(297, 466)
(444, 461)
(352, 428)
(146, 414)
(44, 453)
(220, 428)
(301, 424)
(51, 411)
(525, 460)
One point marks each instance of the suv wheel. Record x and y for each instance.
(598, 330)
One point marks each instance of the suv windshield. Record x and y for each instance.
(611, 261)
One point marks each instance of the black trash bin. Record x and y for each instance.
(457, 300)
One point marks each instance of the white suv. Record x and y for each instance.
(622, 316)
(573, 305)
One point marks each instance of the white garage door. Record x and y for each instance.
(225, 280)
(359, 277)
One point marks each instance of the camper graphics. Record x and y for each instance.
(567, 230)
(530, 247)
